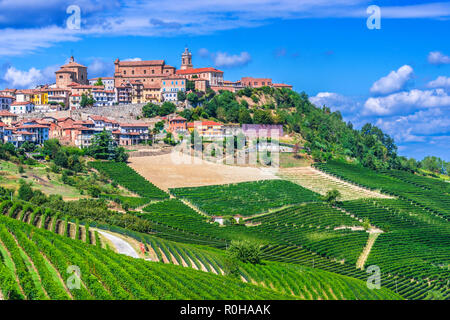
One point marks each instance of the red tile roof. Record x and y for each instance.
(6, 113)
(141, 63)
(20, 103)
(134, 124)
(198, 70)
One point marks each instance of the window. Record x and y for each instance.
(132, 71)
(124, 71)
(145, 71)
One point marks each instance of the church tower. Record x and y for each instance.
(186, 60)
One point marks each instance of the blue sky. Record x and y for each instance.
(397, 77)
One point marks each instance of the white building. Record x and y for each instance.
(104, 97)
(22, 107)
(108, 82)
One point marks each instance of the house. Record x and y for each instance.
(101, 123)
(7, 117)
(206, 128)
(22, 107)
(131, 133)
(262, 130)
(124, 93)
(40, 131)
(177, 124)
(212, 75)
(220, 220)
(152, 93)
(170, 87)
(103, 97)
(5, 102)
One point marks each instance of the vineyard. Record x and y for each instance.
(34, 265)
(246, 198)
(404, 185)
(310, 249)
(129, 179)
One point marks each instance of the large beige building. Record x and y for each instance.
(148, 72)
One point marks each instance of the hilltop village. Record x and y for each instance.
(48, 111)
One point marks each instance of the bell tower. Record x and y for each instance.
(186, 60)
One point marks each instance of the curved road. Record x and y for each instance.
(121, 245)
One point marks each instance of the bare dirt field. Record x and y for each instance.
(166, 172)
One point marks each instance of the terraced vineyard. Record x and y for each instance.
(246, 198)
(299, 281)
(404, 185)
(130, 179)
(34, 264)
(413, 247)
(319, 182)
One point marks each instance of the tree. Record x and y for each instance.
(103, 146)
(190, 85)
(181, 96)
(192, 98)
(244, 116)
(331, 196)
(61, 159)
(167, 108)
(99, 82)
(245, 250)
(150, 110)
(25, 191)
(86, 101)
(51, 148)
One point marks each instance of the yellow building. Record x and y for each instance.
(152, 93)
(40, 97)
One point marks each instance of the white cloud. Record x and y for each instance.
(437, 58)
(335, 101)
(100, 68)
(406, 101)
(203, 52)
(176, 17)
(20, 41)
(417, 127)
(223, 59)
(29, 78)
(439, 82)
(394, 81)
(132, 59)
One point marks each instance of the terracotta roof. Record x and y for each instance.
(134, 124)
(32, 126)
(152, 86)
(20, 103)
(281, 85)
(141, 63)
(103, 78)
(198, 70)
(205, 123)
(2, 124)
(178, 118)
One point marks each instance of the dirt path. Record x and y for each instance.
(365, 254)
(121, 245)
